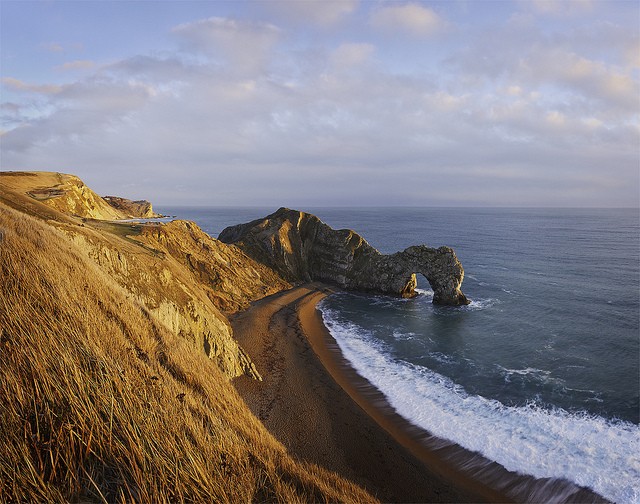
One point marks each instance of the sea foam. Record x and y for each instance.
(475, 304)
(588, 450)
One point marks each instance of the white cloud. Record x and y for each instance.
(560, 7)
(570, 67)
(352, 55)
(556, 119)
(317, 12)
(412, 18)
(52, 47)
(56, 47)
(516, 118)
(514, 90)
(243, 45)
(595, 80)
(18, 85)
(241, 137)
(76, 65)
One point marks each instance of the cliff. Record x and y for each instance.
(117, 352)
(184, 278)
(132, 209)
(300, 247)
(69, 195)
(63, 193)
(104, 398)
(230, 278)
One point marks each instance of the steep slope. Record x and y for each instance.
(182, 276)
(100, 401)
(65, 193)
(231, 278)
(301, 247)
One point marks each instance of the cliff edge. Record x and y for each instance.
(60, 192)
(133, 209)
(300, 247)
(69, 195)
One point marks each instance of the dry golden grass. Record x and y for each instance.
(99, 402)
(58, 191)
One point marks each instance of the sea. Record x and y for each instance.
(541, 372)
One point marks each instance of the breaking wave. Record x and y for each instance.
(586, 449)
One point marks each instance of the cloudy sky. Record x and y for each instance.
(318, 103)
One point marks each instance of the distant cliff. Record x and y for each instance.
(60, 192)
(133, 209)
(300, 247)
(69, 195)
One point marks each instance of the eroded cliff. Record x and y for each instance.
(104, 399)
(300, 247)
(184, 278)
(64, 193)
(133, 209)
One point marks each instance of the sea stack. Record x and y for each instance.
(301, 248)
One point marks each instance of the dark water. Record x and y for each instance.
(541, 371)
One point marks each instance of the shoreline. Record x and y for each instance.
(396, 460)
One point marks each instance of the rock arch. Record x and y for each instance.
(300, 247)
(440, 267)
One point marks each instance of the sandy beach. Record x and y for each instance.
(315, 403)
(325, 415)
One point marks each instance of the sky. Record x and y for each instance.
(306, 103)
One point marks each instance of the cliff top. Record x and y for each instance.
(67, 194)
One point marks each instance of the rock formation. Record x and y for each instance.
(300, 247)
(69, 195)
(133, 209)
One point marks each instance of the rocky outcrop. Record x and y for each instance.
(69, 195)
(132, 209)
(300, 247)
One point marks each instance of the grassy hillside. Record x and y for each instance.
(104, 399)
(183, 277)
(59, 191)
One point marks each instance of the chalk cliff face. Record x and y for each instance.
(70, 196)
(300, 247)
